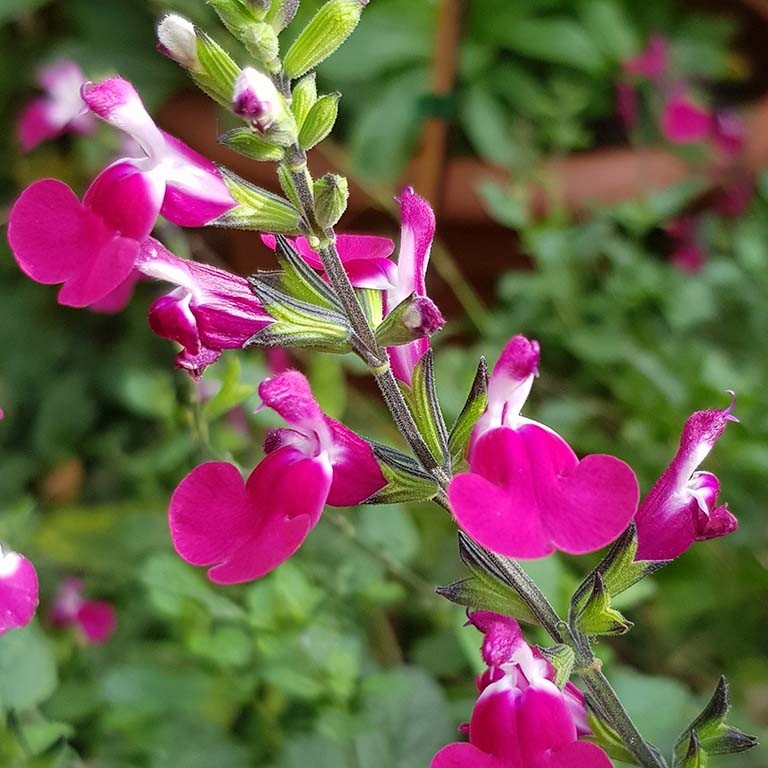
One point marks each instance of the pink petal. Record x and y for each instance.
(356, 473)
(126, 198)
(196, 364)
(468, 756)
(364, 247)
(245, 531)
(405, 357)
(527, 493)
(544, 721)
(119, 298)
(494, 727)
(52, 234)
(502, 636)
(116, 101)
(416, 235)
(195, 192)
(652, 62)
(18, 591)
(290, 395)
(35, 125)
(367, 273)
(171, 318)
(683, 122)
(98, 620)
(111, 266)
(578, 753)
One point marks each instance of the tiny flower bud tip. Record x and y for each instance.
(423, 317)
(255, 98)
(177, 39)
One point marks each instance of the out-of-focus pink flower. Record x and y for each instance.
(728, 132)
(96, 619)
(651, 63)
(60, 110)
(684, 121)
(211, 310)
(244, 530)
(521, 718)
(92, 247)
(687, 255)
(527, 493)
(735, 197)
(682, 506)
(19, 591)
(365, 258)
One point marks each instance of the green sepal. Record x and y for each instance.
(422, 401)
(257, 208)
(331, 193)
(488, 587)
(406, 480)
(219, 71)
(597, 617)
(281, 13)
(246, 142)
(474, 407)
(393, 330)
(709, 734)
(237, 16)
(319, 121)
(328, 29)
(618, 569)
(372, 302)
(607, 739)
(299, 280)
(297, 323)
(562, 658)
(303, 98)
(288, 187)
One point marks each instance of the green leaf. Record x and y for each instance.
(610, 28)
(489, 126)
(406, 480)
(553, 39)
(245, 142)
(27, 669)
(231, 393)
(597, 617)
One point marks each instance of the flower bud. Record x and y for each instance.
(329, 28)
(320, 121)
(415, 318)
(281, 13)
(176, 39)
(256, 99)
(331, 193)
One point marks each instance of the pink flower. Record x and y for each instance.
(416, 235)
(211, 310)
(652, 63)
(18, 591)
(728, 132)
(687, 255)
(59, 110)
(245, 530)
(365, 258)
(683, 121)
(521, 718)
(256, 99)
(96, 619)
(682, 506)
(527, 494)
(92, 247)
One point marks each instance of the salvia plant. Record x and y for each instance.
(514, 486)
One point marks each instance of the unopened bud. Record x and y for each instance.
(331, 193)
(281, 13)
(176, 39)
(414, 318)
(256, 99)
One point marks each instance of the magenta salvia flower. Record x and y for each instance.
(193, 192)
(244, 530)
(416, 235)
(256, 99)
(60, 110)
(684, 121)
(211, 310)
(92, 247)
(527, 494)
(95, 619)
(18, 591)
(365, 258)
(652, 62)
(521, 718)
(682, 506)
